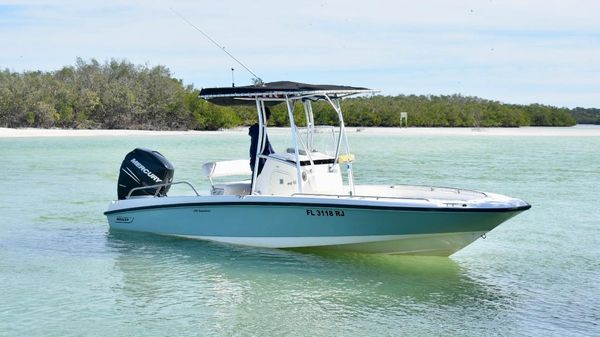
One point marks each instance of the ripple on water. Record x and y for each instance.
(63, 273)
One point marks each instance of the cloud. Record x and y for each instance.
(513, 51)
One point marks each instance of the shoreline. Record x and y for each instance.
(572, 131)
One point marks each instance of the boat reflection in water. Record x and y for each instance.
(247, 289)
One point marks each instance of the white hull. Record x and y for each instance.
(442, 244)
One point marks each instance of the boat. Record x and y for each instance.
(305, 196)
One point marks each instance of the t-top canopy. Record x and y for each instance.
(276, 92)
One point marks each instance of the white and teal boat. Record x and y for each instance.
(305, 196)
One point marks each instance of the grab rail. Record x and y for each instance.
(158, 189)
(443, 188)
(357, 196)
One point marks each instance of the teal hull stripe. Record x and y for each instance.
(281, 221)
(323, 205)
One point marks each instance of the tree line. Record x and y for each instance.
(586, 116)
(118, 94)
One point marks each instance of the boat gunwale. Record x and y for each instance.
(313, 204)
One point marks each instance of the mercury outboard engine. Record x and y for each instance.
(144, 167)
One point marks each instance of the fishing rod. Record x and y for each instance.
(256, 79)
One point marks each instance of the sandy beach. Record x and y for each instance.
(575, 131)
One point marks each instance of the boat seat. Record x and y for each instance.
(232, 188)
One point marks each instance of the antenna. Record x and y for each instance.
(257, 80)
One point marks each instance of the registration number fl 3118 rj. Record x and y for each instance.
(324, 212)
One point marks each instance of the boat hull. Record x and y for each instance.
(368, 227)
(439, 244)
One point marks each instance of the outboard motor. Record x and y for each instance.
(144, 167)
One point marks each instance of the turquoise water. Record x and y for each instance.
(62, 273)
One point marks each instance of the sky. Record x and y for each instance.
(522, 52)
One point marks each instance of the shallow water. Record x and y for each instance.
(62, 273)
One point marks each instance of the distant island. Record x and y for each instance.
(118, 94)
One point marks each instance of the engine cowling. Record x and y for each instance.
(144, 167)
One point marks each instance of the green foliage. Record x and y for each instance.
(119, 94)
(448, 111)
(586, 116)
(116, 94)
